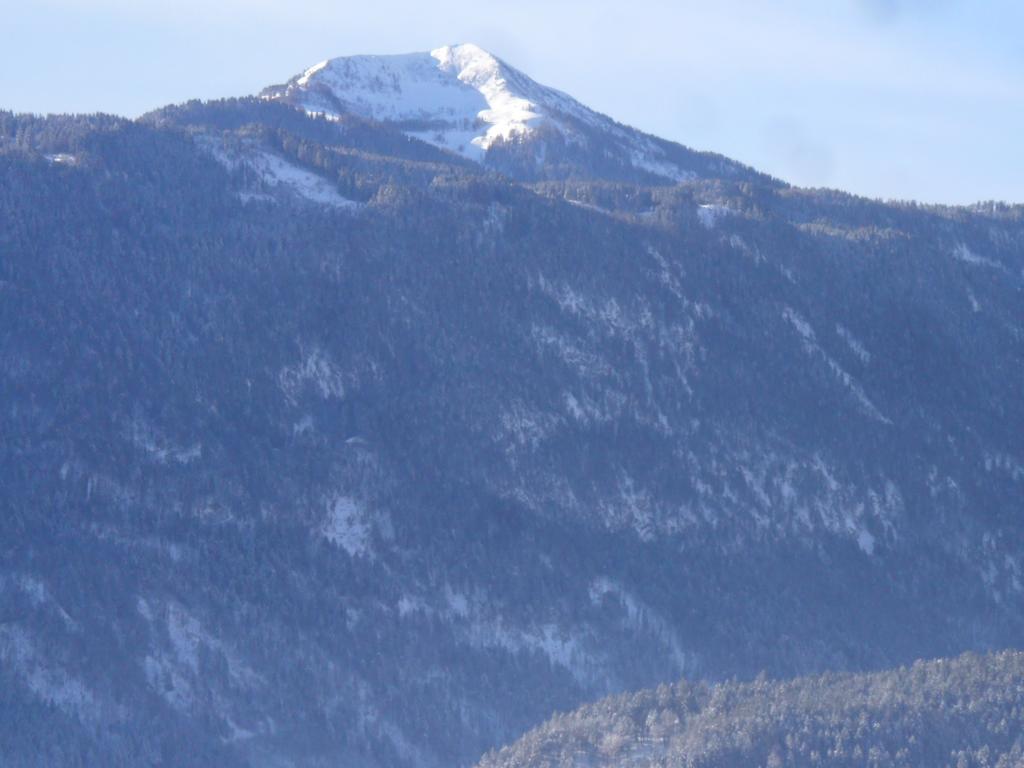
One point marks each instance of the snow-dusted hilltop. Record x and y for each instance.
(465, 100)
(457, 97)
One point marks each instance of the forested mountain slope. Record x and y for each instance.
(962, 712)
(322, 444)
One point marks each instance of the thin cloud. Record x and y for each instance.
(887, 11)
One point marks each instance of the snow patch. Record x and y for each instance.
(523, 427)
(278, 172)
(559, 647)
(813, 349)
(641, 619)
(312, 71)
(855, 345)
(315, 368)
(631, 508)
(410, 604)
(159, 448)
(961, 252)
(866, 542)
(710, 214)
(41, 597)
(975, 304)
(346, 527)
(185, 634)
(1004, 463)
(646, 157)
(49, 681)
(173, 668)
(62, 158)
(458, 604)
(802, 326)
(588, 365)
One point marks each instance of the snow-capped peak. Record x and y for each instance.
(466, 100)
(458, 97)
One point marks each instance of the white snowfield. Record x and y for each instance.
(279, 173)
(460, 98)
(276, 174)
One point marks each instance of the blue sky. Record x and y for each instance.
(887, 98)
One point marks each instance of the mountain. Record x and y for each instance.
(958, 712)
(325, 445)
(467, 101)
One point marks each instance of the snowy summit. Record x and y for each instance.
(457, 97)
(463, 99)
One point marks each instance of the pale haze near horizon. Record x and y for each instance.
(886, 98)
